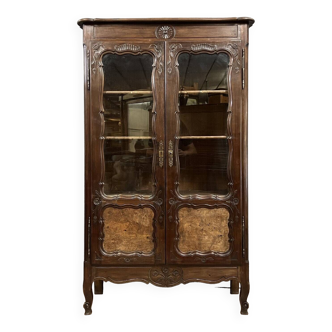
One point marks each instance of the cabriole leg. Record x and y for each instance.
(87, 292)
(245, 286)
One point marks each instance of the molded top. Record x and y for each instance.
(90, 21)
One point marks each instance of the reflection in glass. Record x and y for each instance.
(203, 105)
(128, 115)
(128, 166)
(128, 104)
(203, 71)
(208, 119)
(127, 72)
(205, 170)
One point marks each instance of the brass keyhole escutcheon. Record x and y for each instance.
(161, 154)
(170, 153)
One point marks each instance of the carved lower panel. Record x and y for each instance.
(128, 230)
(203, 230)
(165, 276)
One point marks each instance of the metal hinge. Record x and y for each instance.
(88, 69)
(243, 66)
(89, 237)
(243, 238)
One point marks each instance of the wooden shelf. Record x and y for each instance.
(202, 91)
(128, 137)
(201, 137)
(145, 92)
(137, 92)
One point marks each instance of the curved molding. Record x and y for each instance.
(166, 276)
(122, 256)
(97, 49)
(123, 281)
(156, 50)
(200, 47)
(198, 255)
(171, 56)
(206, 281)
(232, 49)
(159, 57)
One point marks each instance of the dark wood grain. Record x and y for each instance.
(153, 255)
(96, 21)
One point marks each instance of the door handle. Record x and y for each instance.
(170, 153)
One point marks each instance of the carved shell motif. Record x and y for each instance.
(165, 32)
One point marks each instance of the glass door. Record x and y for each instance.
(128, 106)
(203, 143)
(127, 150)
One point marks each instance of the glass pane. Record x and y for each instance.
(203, 71)
(128, 115)
(204, 120)
(203, 166)
(128, 104)
(203, 95)
(128, 166)
(203, 105)
(127, 72)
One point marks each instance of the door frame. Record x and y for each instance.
(233, 200)
(99, 200)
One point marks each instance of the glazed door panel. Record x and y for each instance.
(127, 146)
(203, 179)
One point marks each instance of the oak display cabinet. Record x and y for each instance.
(166, 150)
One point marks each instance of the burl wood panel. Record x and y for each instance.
(128, 230)
(203, 230)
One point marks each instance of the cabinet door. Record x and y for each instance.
(203, 112)
(127, 146)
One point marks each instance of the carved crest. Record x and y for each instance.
(200, 47)
(127, 47)
(165, 32)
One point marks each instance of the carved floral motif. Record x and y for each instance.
(172, 49)
(166, 276)
(159, 57)
(97, 50)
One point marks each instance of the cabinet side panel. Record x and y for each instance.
(244, 29)
(87, 33)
